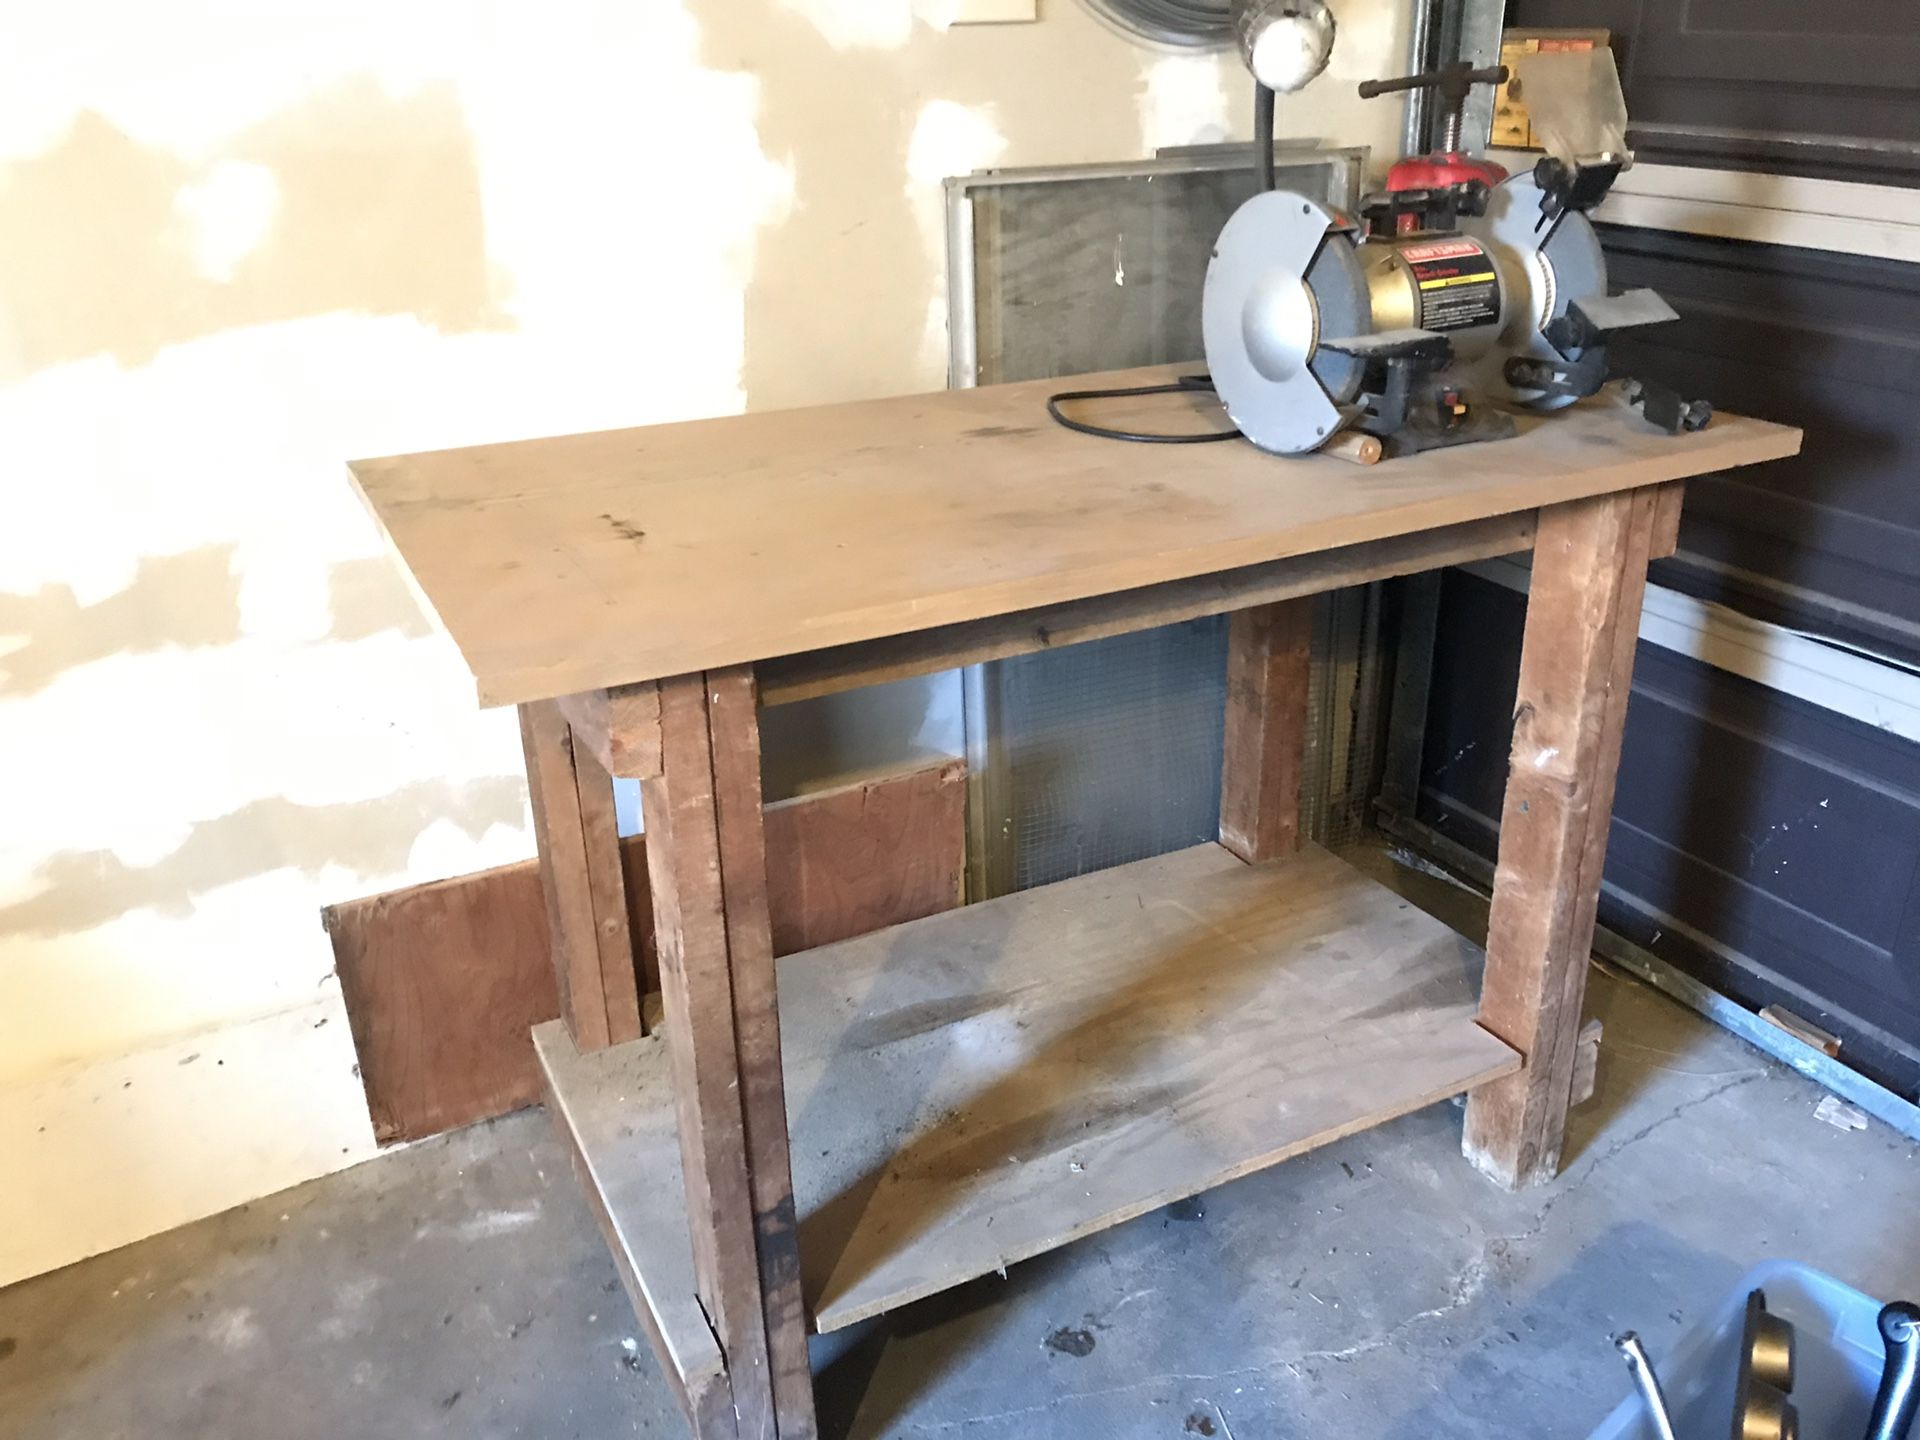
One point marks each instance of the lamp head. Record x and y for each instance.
(1285, 43)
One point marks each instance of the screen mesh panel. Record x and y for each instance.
(1100, 267)
(1099, 754)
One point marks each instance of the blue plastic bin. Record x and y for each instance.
(1837, 1364)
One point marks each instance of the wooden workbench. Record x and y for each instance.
(976, 1088)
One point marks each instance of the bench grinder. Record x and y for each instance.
(1458, 291)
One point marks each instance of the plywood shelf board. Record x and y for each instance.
(980, 1087)
(584, 561)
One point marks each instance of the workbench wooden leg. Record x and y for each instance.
(579, 840)
(734, 722)
(1269, 663)
(706, 858)
(1576, 671)
(1669, 500)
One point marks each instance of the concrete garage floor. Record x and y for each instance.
(1376, 1288)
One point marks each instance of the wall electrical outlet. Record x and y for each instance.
(995, 12)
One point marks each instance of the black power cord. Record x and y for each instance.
(1186, 384)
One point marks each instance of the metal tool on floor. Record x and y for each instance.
(1788, 1350)
(1761, 1407)
(1762, 1385)
(1898, 1402)
(1768, 1348)
(1641, 1368)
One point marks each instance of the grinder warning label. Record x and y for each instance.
(1459, 287)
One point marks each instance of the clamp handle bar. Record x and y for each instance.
(1435, 80)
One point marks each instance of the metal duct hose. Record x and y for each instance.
(1193, 23)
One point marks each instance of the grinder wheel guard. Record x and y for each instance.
(1284, 275)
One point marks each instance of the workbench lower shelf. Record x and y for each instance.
(979, 1087)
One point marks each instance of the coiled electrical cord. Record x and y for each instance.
(1186, 384)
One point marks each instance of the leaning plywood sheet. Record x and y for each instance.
(982, 1086)
(584, 561)
(444, 981)
(866, 854)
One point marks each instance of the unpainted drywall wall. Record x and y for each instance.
(243, 245)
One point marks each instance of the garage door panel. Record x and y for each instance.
(1779, 837)
(1855, 975)
(1829, 343)
(1710, 81)
(1782, 831)
(1862, 43)
(1769, 814)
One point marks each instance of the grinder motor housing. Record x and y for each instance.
(1443, 296)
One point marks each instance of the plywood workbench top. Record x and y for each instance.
(584, 561)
